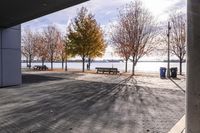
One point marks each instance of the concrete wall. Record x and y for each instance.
(193, 68)
(10, 56)
(0, 59)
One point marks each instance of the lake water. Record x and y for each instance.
(140, 67)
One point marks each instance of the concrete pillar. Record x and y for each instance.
(193, 68)
(10, 56)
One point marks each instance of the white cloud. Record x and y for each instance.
(105, 12)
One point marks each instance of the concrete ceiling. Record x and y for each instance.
(14, 12)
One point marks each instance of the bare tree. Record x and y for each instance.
(41, 48)
(138, 30)
(52, 38)
(118, 37)
(25, 55)
(28, 45)
(60, 51)
(178, 36)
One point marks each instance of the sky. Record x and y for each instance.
(106, 13)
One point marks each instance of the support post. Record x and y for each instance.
(10, 56)
(193, 68)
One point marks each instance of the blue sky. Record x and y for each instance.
(105, 13)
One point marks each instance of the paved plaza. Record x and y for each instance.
(91, 103)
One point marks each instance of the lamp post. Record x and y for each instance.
(168, 51)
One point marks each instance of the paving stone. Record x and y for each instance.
(64, 103)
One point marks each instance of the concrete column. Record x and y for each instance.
(193, 68)
(10, 56)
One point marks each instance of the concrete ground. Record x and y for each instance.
(91, 103)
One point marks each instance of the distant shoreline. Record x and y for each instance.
(103, 61)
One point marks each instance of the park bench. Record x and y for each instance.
(40, 67)
(108, 70)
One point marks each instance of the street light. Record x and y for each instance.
(168, 62)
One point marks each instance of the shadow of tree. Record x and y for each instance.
(33, 78)
(91, 107)
(38, 78)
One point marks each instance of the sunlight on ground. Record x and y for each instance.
(76, 102)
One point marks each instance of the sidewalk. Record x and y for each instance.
(179, 127)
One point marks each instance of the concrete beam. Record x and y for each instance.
(14, 12)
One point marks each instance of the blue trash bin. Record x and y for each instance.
(163, 72)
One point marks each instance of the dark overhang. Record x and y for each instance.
(14, 12)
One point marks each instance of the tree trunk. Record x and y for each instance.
(83, 64)
(89, 63)
(66, 68)
(30, 62)
(51, 62)
(51, 65)
(62, 63)
(42, 62)
(180, 63)
(126, 66)
(26, 61)
(133, 68)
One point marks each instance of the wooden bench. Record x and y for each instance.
(108, 70)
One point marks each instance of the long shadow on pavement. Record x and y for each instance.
(90, 107)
